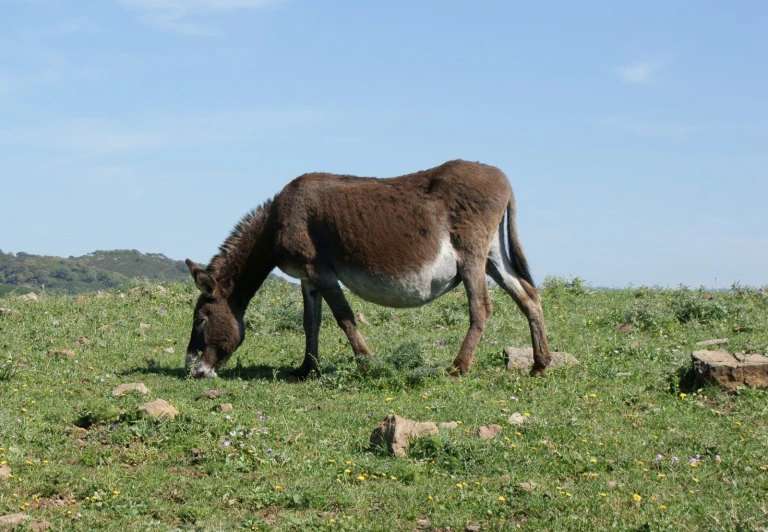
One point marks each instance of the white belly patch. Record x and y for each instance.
(409, 290)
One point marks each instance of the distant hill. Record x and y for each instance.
(99, 270)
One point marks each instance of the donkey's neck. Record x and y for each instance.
(246, 257)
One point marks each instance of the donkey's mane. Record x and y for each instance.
(236, 249)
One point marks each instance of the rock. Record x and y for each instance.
(61, 353)
(9, 312)
(612, 485)
(83, 341)
(518, 419)
(730, 371)
(487, 432)
(625, 328)
(211, 394)
(30, 297)
(159, 409)
(225, 407)
(448, 425)
(527, 486)
(472, 528)
(522, 358)
(5, 471)
(397, 433)
(12, 521)
(422, 524)
(716, 341)
(130, 387)
(144, 326)
(102, 295)
(624, 374)
(362, 319)
(168, 350)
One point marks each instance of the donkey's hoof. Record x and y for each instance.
(538, 372)
(302, 374)
(455, 372)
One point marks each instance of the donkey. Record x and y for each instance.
(398, 242)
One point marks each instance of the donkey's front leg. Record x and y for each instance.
(312, 317)
(334, 296)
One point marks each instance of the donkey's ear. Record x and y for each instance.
(204, 281)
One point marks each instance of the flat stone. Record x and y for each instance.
(168, 350)
(83, 340)
(9, 312)
(527, 486)
(61, 353)
(13, 521)
(731, 371)
(144, 326)
(397, 433)
(30, 297)
(487, 432)
(625, 328)
(448, 425)
(225, 407)
(159, 409)
(212, 394)
(5, 471)
(130, 387)
(517, 419)
(716, 341)
(522, 358)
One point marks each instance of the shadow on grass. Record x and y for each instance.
(255, 372)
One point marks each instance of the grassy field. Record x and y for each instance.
(624, 441)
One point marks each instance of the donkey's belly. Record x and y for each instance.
(409, 289)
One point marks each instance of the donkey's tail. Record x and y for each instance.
(516, 255)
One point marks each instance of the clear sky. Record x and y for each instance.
(634, 134)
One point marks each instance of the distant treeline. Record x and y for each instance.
(100, 270)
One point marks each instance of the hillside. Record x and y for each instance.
(99, 270)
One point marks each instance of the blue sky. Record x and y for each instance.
(634, 134)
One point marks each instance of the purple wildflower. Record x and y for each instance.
(659, 456)
(674, 459)
(441, 342)
(226, 443)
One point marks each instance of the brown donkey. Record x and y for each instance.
(398, 242)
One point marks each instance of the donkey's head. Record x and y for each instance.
(217, 330)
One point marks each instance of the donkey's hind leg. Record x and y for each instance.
(480, 309)
(312, 315)
(527, 298)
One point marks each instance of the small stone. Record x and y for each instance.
(168, 350)
(473, 528)
(5, 471)
(211, 394)
(527, 486)
(159, 409)
(61, 353)
(13, 521)
(625, 328)
(716, 341)
(518, 419)
(225, 407)
(30, 297)
(612, 485)
(83, 341)
(487, 432)
(522, 358)
(130, 387)
(104, 328)
(144, 326)
(624, 374)
(9, 312)
(448, 425)
(396, 433)
(422, 524)
(730, 371)
(362, 319)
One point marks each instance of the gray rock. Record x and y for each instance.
(716, 341)
(14, 521)
(30, 297)
(5, 471)
(9, 312)
(522, 358)
(448, 425)
(518, 419)
(130, 387)
(225, 407)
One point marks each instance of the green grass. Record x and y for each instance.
(84, 460)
